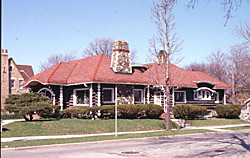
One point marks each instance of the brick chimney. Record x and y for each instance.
(121, 61)
(4, 76)
(162, 57)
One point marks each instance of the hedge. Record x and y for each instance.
(128, 111)
(228, 111)
(189, 112)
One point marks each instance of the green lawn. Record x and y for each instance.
(97, 138)
(77, 126)
(199, 123)
(237, 128)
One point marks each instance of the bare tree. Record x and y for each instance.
(57, 58)
(243, 31)
(239, 66)
(165, 40)
(228, 6)
(217, 65)
(104, 46)
(202, 67)
(99, 46)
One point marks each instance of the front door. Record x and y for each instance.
(157, 97)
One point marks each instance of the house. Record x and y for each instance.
(12, 77)
(245, 110)
(101, 80)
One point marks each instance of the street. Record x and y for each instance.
(224, 144)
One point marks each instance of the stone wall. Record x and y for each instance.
(125, 94)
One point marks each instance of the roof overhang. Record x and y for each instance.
(207, 82)
(205, 88)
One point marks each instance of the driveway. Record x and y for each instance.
(223, 144)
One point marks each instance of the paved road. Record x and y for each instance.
(225, 144)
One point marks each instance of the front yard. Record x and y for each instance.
(78, 126)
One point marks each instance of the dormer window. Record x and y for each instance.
(203, 93)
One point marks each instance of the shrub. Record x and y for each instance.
(79, 113)
(137, 111)
(28, 104)
(228, 111)
(189, 111)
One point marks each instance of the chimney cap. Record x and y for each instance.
(6, 51)
(2, 50)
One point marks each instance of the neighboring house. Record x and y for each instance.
(245, 110)
(12, 77)
(100, 80)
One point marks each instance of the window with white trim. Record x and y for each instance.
(20, 84)
(180, 96)
(108, 95)
(138, 95)
(202, 95)
(81, 97)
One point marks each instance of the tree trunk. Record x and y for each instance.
(168, 109)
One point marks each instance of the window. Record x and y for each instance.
(138, 95)
(10, 69)
(20, 83)
(108, 95)
(12, 83)
(202, 95)
(81, 96)
(180, 96)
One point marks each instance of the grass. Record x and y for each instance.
(77, 126)
(237, 128)
(10, 116)
(97, 138)
(200, 123)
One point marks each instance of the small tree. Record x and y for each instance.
(28, 104)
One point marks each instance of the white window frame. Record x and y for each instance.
(142, 99)
(217, 99)
(20, 86)
(200, 94)
(185, 97)
(75, 97)
(155, 97)
(112, 97)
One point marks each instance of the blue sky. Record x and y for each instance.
(32, 30)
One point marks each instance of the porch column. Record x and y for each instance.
(61, 97)
(148, 94)
(173, 101)
(224, 98)
(144, 98)
(90, 95)
(54, 100)
(99, 94)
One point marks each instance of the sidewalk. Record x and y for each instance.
(213, 128)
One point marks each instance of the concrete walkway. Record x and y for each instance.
(213, 128)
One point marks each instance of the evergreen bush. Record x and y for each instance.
(228, 111)
(189, 112)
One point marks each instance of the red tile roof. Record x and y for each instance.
(26, 71)
(97, 69)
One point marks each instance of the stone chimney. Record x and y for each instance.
(5, 89)
(162, 57)
(121, 61)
